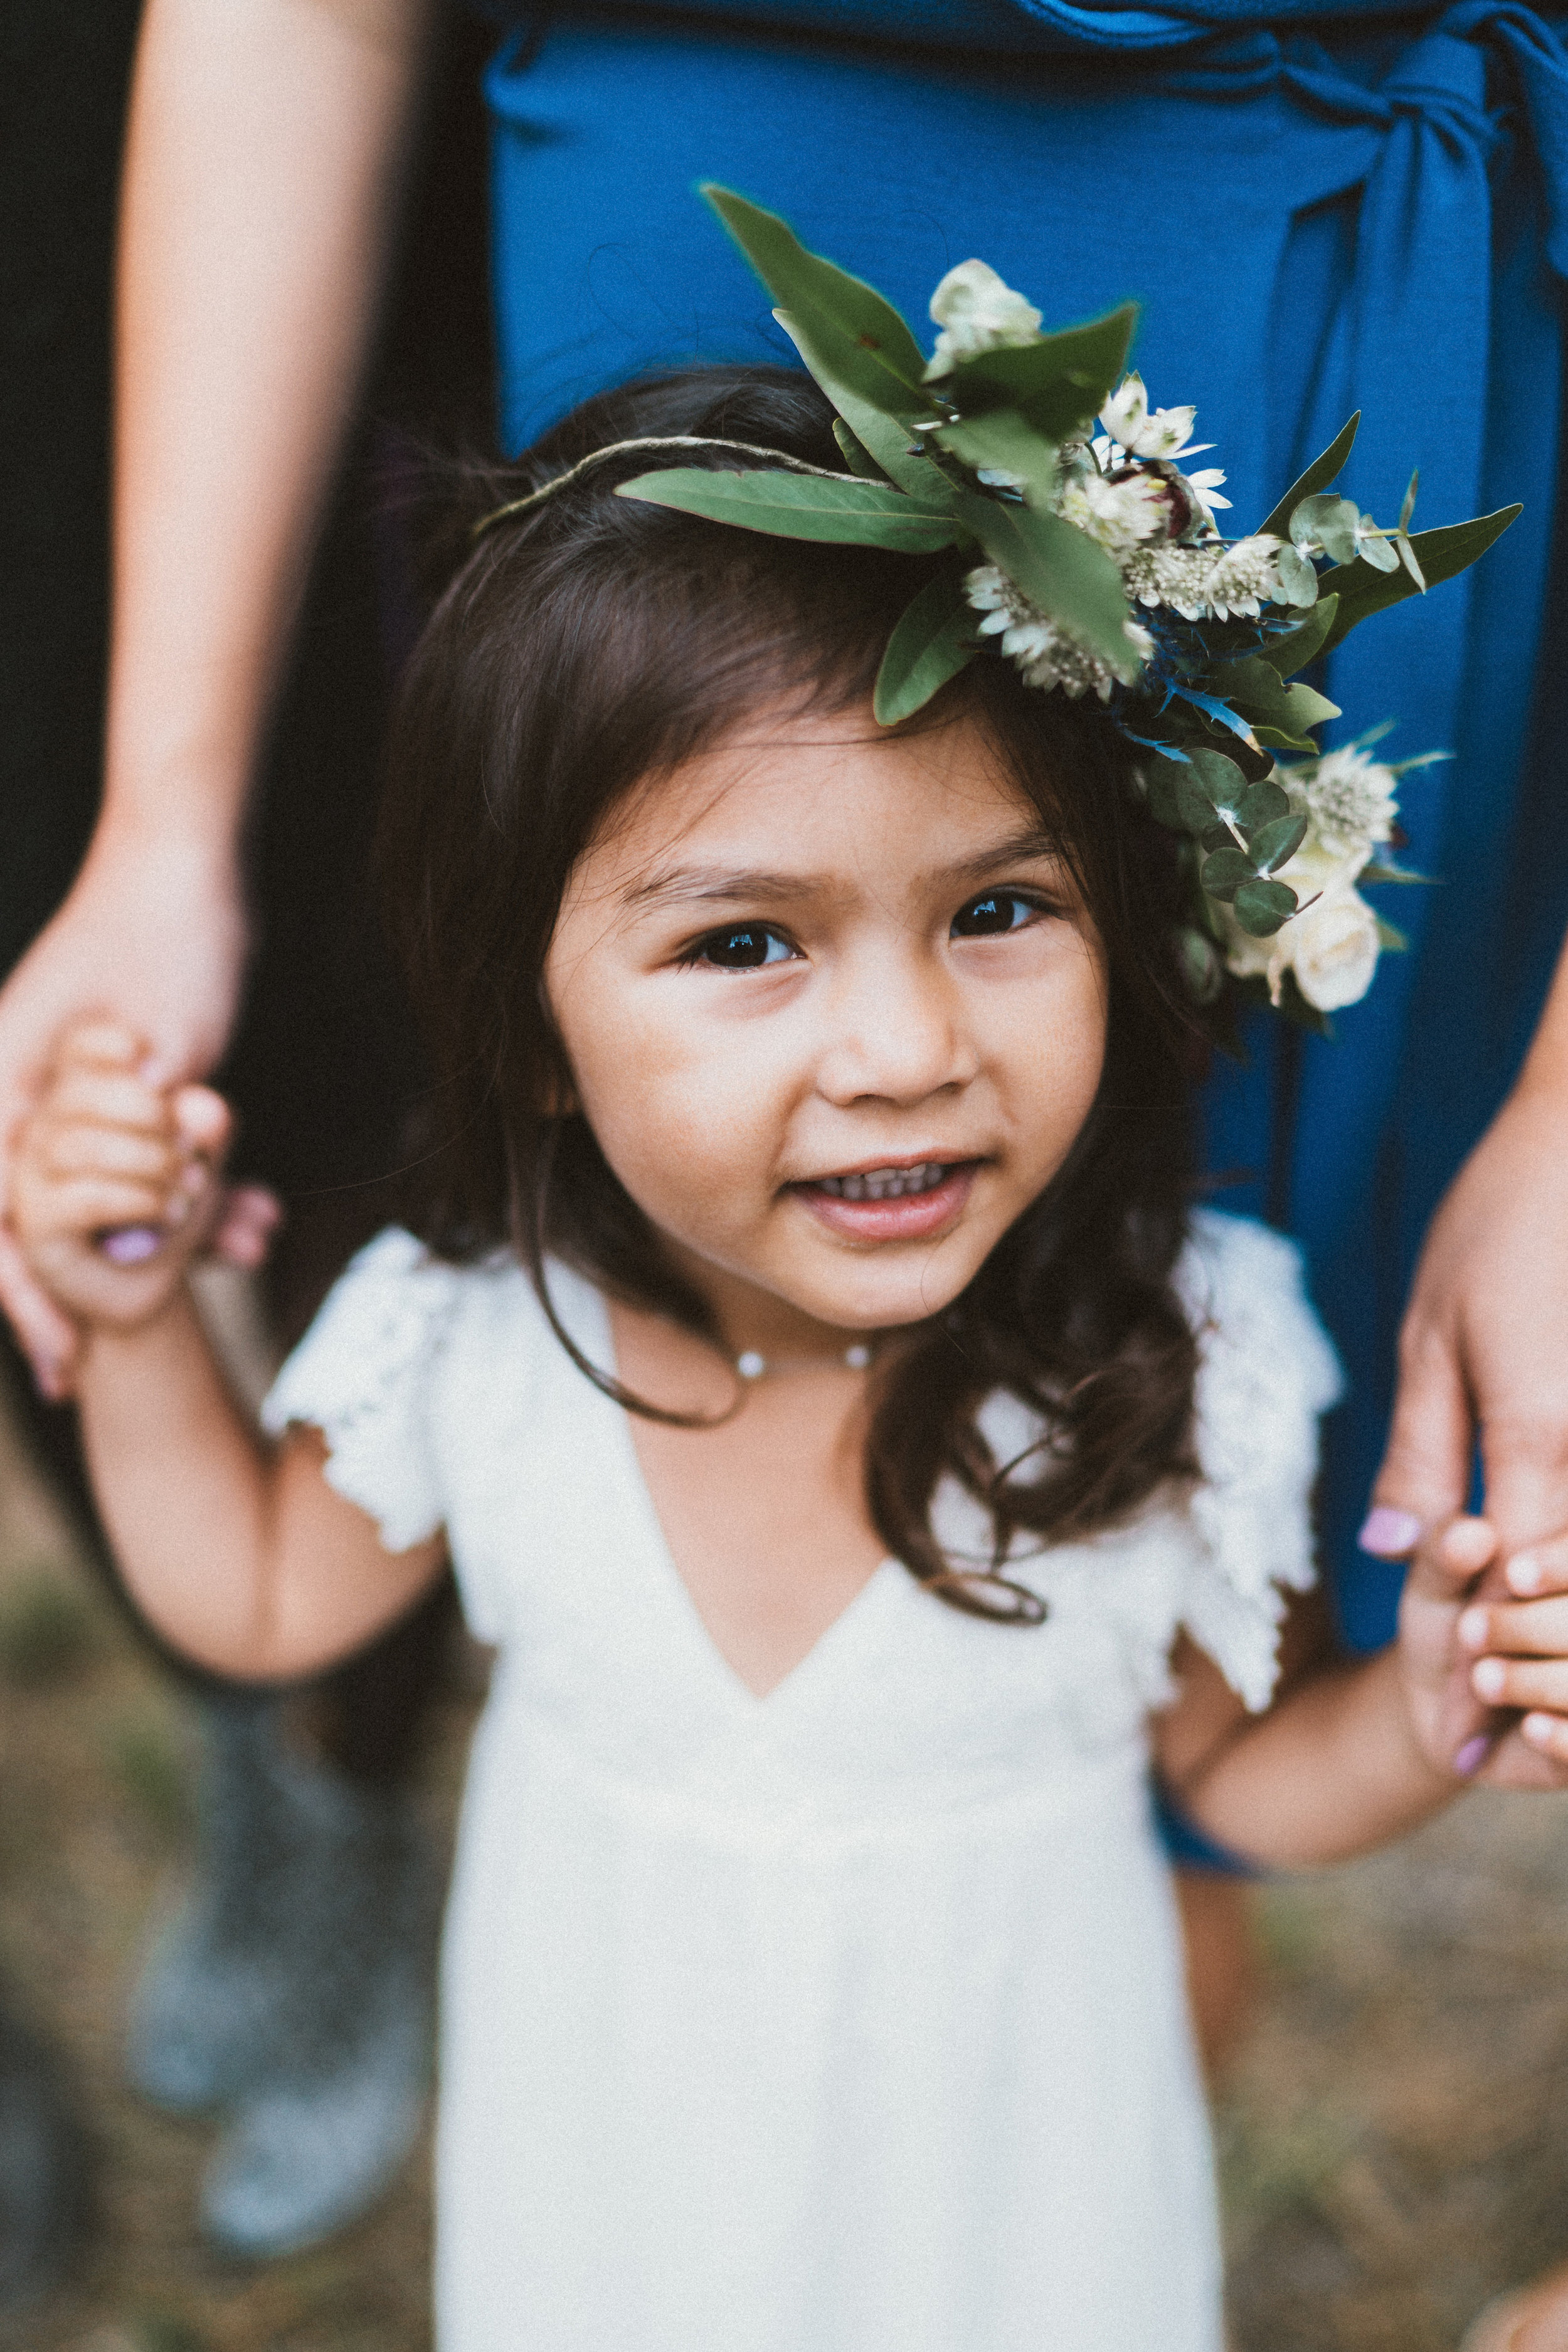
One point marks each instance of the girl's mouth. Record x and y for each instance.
(891, 1205)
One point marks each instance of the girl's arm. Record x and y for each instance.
(243, 1556)
(263, 160)
(1357, 1752)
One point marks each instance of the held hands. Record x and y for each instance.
(115, 1178)
(1476, 1627)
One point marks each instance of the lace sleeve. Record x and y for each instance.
(362, 1374)
(1267, 1371)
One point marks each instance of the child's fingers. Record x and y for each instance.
(68, 1148)
(1547, 1735)
(1542, 1568)
(97, 1042)
(1518, 1628)
(92, 1204)
(1523, 1682)
(1448, 1559)
(111, 1099)
(203, 1120)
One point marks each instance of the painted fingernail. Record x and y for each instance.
(1473, 1755)
(132, 1244)
(1473, 1629)
(1524, 1572)
(1389, 1534)
(1490, 1678)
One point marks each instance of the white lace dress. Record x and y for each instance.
(849, 2019)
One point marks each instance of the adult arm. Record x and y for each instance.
(1484, 1349)
(265, 150)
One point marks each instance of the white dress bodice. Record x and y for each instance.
(849, 2018)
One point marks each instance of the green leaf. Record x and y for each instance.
(1261, 804)
(1223, 873)
(1318, 477)
(1298, 578)
(1057, 384)
(1381, 553)
(838, 508)
(840, 367)
(1407, 556)
(934, 640)
(823, 298)
(1201, 967)
(1381, 870)
(1003, 440)
(1441, 554)
(1408, 507)
(1274, 842)
(1289, 654)
(1263, 907)
(1060, 570)
(855, 454)
(1221, 779)
(1394, 943)
(1306, 708)
(1328, 522)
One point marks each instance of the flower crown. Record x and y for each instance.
(1096, 561)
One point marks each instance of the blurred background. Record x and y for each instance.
(1395, 2131)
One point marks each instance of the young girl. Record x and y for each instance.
(860, 1454)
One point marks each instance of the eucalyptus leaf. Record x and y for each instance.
(1381, 553)
(1411, 561)
(1201, 967)
(1408, 506)
(1440, 554)
(1318, 477)
(1058, 384)
(934, 640)
(1220, 778)
(1273, 844)
(1298, 578)
(1263, 907)
(1394, 943)
(846, 376)
(820, 295)
(1261, 804)
(1329, 523)
(1291, 653)
(1225, 870)
(1382, 870)
(1216, 834)
(838, 508)
(1060, 570)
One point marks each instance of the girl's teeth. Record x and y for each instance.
(885, 1183)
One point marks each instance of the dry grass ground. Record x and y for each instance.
(1394, 2145)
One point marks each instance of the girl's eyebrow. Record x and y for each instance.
(682, 884)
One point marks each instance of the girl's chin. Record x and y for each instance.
(912, 1217)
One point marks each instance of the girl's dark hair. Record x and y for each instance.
(595, 641)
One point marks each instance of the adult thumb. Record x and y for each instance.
(1426, 1471)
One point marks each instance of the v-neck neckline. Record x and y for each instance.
(719, 1669)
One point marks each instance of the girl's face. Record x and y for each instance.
(835, 1012)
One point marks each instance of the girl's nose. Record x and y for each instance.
(895, 1037)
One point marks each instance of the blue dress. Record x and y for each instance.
(1313, 220)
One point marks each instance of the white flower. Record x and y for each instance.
(1046, 654)
(1118, 515)
(1330, 947)
(1204, 487)
(977, 312)
(1143, 433)
(1206, 583)
(1351, 800)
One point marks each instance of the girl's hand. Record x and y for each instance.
(1511, 1655)
(105, 1149)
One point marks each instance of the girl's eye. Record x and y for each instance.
(745, 947)
(996, 911)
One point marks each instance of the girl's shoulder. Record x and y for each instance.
(1267, 1371)
(398, 1327)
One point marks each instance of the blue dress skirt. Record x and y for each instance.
(1313, 220)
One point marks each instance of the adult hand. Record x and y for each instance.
(153, 933)
(1484, 1349)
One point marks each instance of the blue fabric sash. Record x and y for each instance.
(1367, 219)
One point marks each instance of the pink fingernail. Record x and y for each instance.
(1473, 1755)
(1389, 1534)
(132, 1244)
